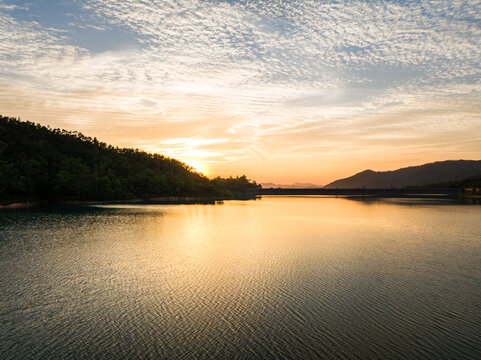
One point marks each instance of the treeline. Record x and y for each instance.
(38, 163)
(470, 184)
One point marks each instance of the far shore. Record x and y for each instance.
(268, 191)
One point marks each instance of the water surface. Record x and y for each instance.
(280, 277)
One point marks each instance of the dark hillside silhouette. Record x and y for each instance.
(432, 173)
(38, 163)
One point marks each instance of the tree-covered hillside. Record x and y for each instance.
(432, 173)
(38, 164)
(469, 185)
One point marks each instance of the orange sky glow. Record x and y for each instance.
(281, 92)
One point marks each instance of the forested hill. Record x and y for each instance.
(42, 164)
(433, 173)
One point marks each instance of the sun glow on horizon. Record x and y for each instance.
(198, 166)
(187, 154)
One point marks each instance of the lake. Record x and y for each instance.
(278, 277)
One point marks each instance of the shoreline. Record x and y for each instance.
(19, 205)
(150, 201)
(188, 200)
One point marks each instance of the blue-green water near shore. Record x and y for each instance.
(279, 277)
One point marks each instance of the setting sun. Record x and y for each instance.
(198, 166)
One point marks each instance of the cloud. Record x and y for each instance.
(301, 72)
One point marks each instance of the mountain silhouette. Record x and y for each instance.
(432, 173)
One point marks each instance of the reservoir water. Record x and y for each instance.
(279, 277)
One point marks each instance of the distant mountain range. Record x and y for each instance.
(432, 173)
(296, 185)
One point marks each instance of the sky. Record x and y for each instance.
(281, 91)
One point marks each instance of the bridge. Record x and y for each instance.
(423, 193)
